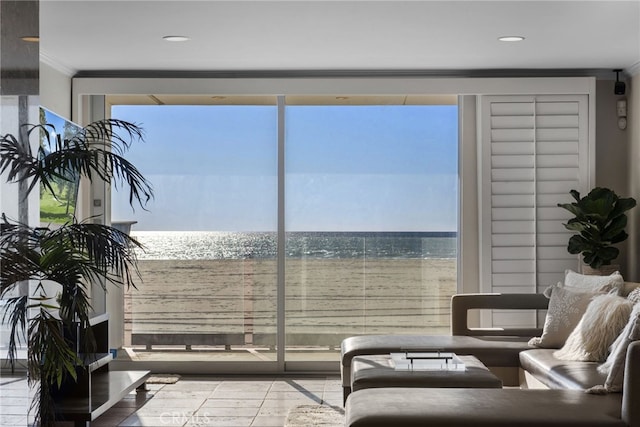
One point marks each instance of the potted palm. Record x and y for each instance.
(68, 258)
(599, 221)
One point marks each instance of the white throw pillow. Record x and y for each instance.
(600, 325)
(566, 307)
(614, 366)
(593, 283)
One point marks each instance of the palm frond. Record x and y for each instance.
(109, 253)
(15, 315)
(19, 254)
(97, 149)
(16, 159)
(76, 250)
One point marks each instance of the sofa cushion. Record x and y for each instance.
(384, 407)
(561, 374)
(492, 351)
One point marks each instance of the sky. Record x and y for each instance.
(347, 168)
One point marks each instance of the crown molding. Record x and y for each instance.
(51, 62)
(598, 73)
(634, 70)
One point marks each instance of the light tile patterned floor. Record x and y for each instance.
(196, 401)
(14, 401)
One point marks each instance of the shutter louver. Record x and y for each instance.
(534, 151)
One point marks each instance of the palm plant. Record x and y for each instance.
(69, 258)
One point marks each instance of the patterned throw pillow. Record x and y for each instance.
(566, 308)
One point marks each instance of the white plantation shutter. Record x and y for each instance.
(534, 150)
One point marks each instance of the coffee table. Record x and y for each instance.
(376, 371)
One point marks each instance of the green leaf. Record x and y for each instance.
(573, 208)
(577, 244)
(620, 237)
(614, 228)
(591, 259)
(575, 194)
(606, 255)
(576, 225)
(622, 206)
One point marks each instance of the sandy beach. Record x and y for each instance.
(324, 297)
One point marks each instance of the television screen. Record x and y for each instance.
(59, 206)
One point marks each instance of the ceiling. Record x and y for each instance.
(94, 37)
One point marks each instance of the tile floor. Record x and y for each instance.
(196, 401)
(14, 401)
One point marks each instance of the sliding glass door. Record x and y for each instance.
(369, 192)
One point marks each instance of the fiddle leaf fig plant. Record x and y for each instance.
(599, 221)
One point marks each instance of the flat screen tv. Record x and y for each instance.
(58, 208)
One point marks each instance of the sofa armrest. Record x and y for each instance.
(631, 386)
(462, 303)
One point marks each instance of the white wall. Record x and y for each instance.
(612, 152)
(55, 90)
(612, 145)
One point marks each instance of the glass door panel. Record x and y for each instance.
(371, 220)
(209, 271)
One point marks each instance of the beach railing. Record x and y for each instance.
(324, 340)
(187, 340)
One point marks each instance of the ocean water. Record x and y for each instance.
(205, 245)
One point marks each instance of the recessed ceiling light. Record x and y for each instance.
(31, 39)
(176, 38)
(511, 38)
